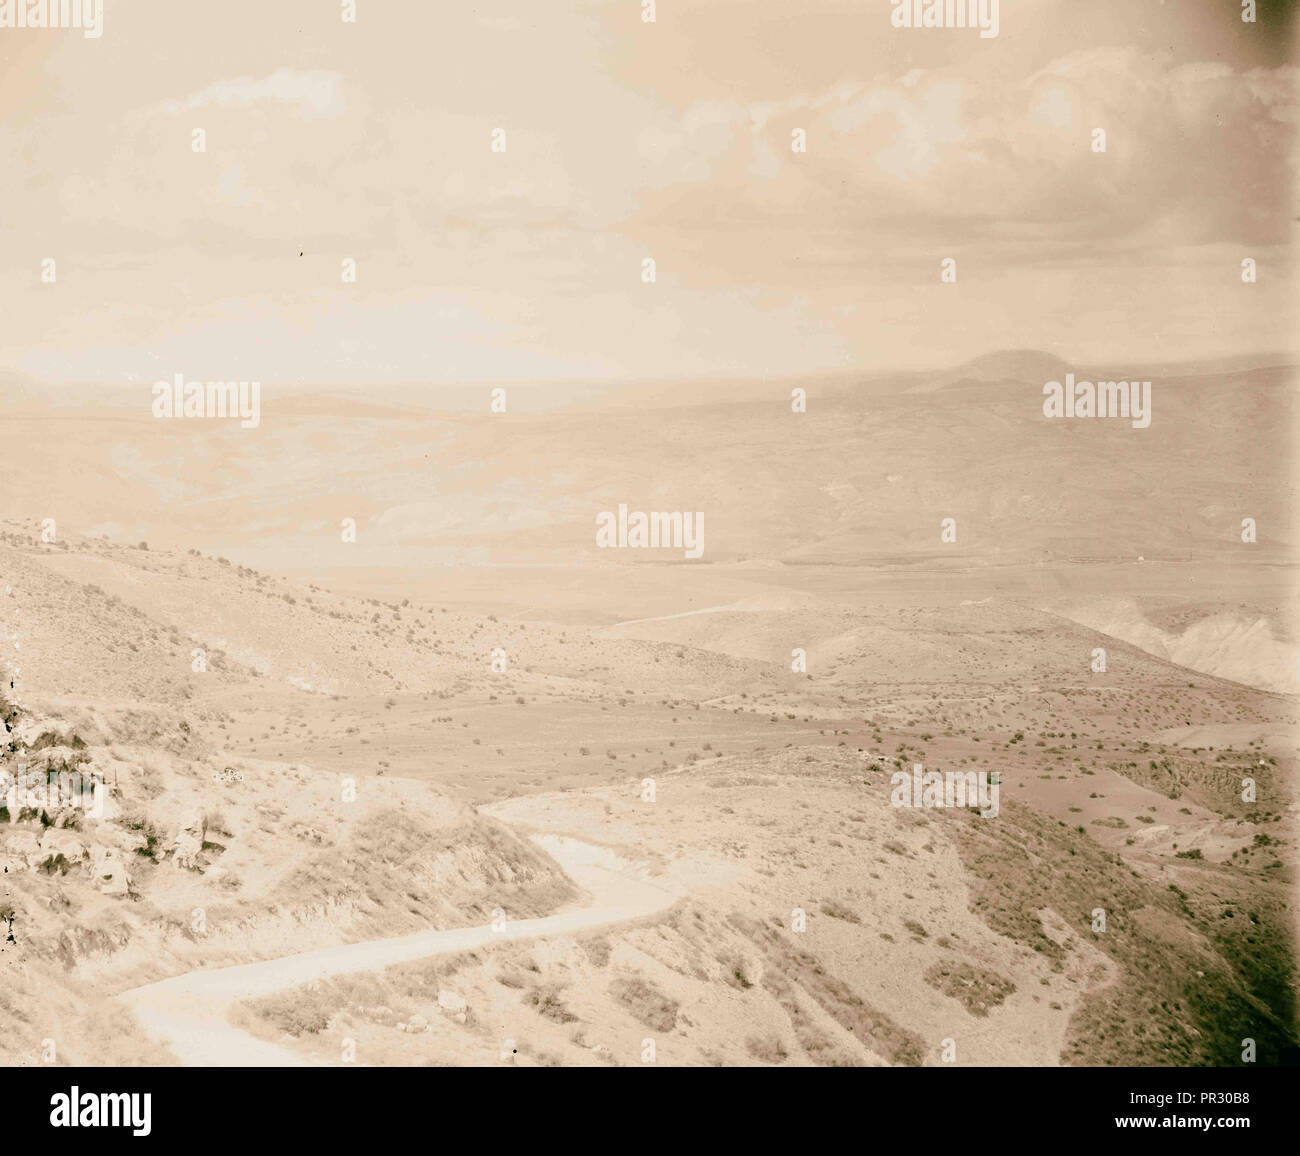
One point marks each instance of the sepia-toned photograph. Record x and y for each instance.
(649, 534)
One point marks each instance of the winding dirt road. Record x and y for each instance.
(190, 1013)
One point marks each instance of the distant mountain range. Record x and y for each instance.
(865, 476)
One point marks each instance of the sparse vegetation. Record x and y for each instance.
(977, 989)
(646, 1003)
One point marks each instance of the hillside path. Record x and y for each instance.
(190, 1013)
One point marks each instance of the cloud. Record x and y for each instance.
(991, 158)
(627, 141)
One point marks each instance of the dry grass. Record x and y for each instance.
(1175, 1003)
(769, 1049)
(836, 910)
(872, 1027)
(547, 1001)
(647, 1004)
(976, 988)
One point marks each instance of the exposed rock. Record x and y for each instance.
(109, 870)
(453, 1005)
(60, 842)
(24, 843)
(1153, 834)
(104, 807)
(189, 841)
(417, 1024)
(449, 1001)
(29, 730)
(128, 842)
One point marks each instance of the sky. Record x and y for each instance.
(627, 140)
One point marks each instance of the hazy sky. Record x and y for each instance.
(627, 140)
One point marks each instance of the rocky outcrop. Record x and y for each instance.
(189, 842)
(24, 846)
(56, 841)
(453, 1005)
(109, 870)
